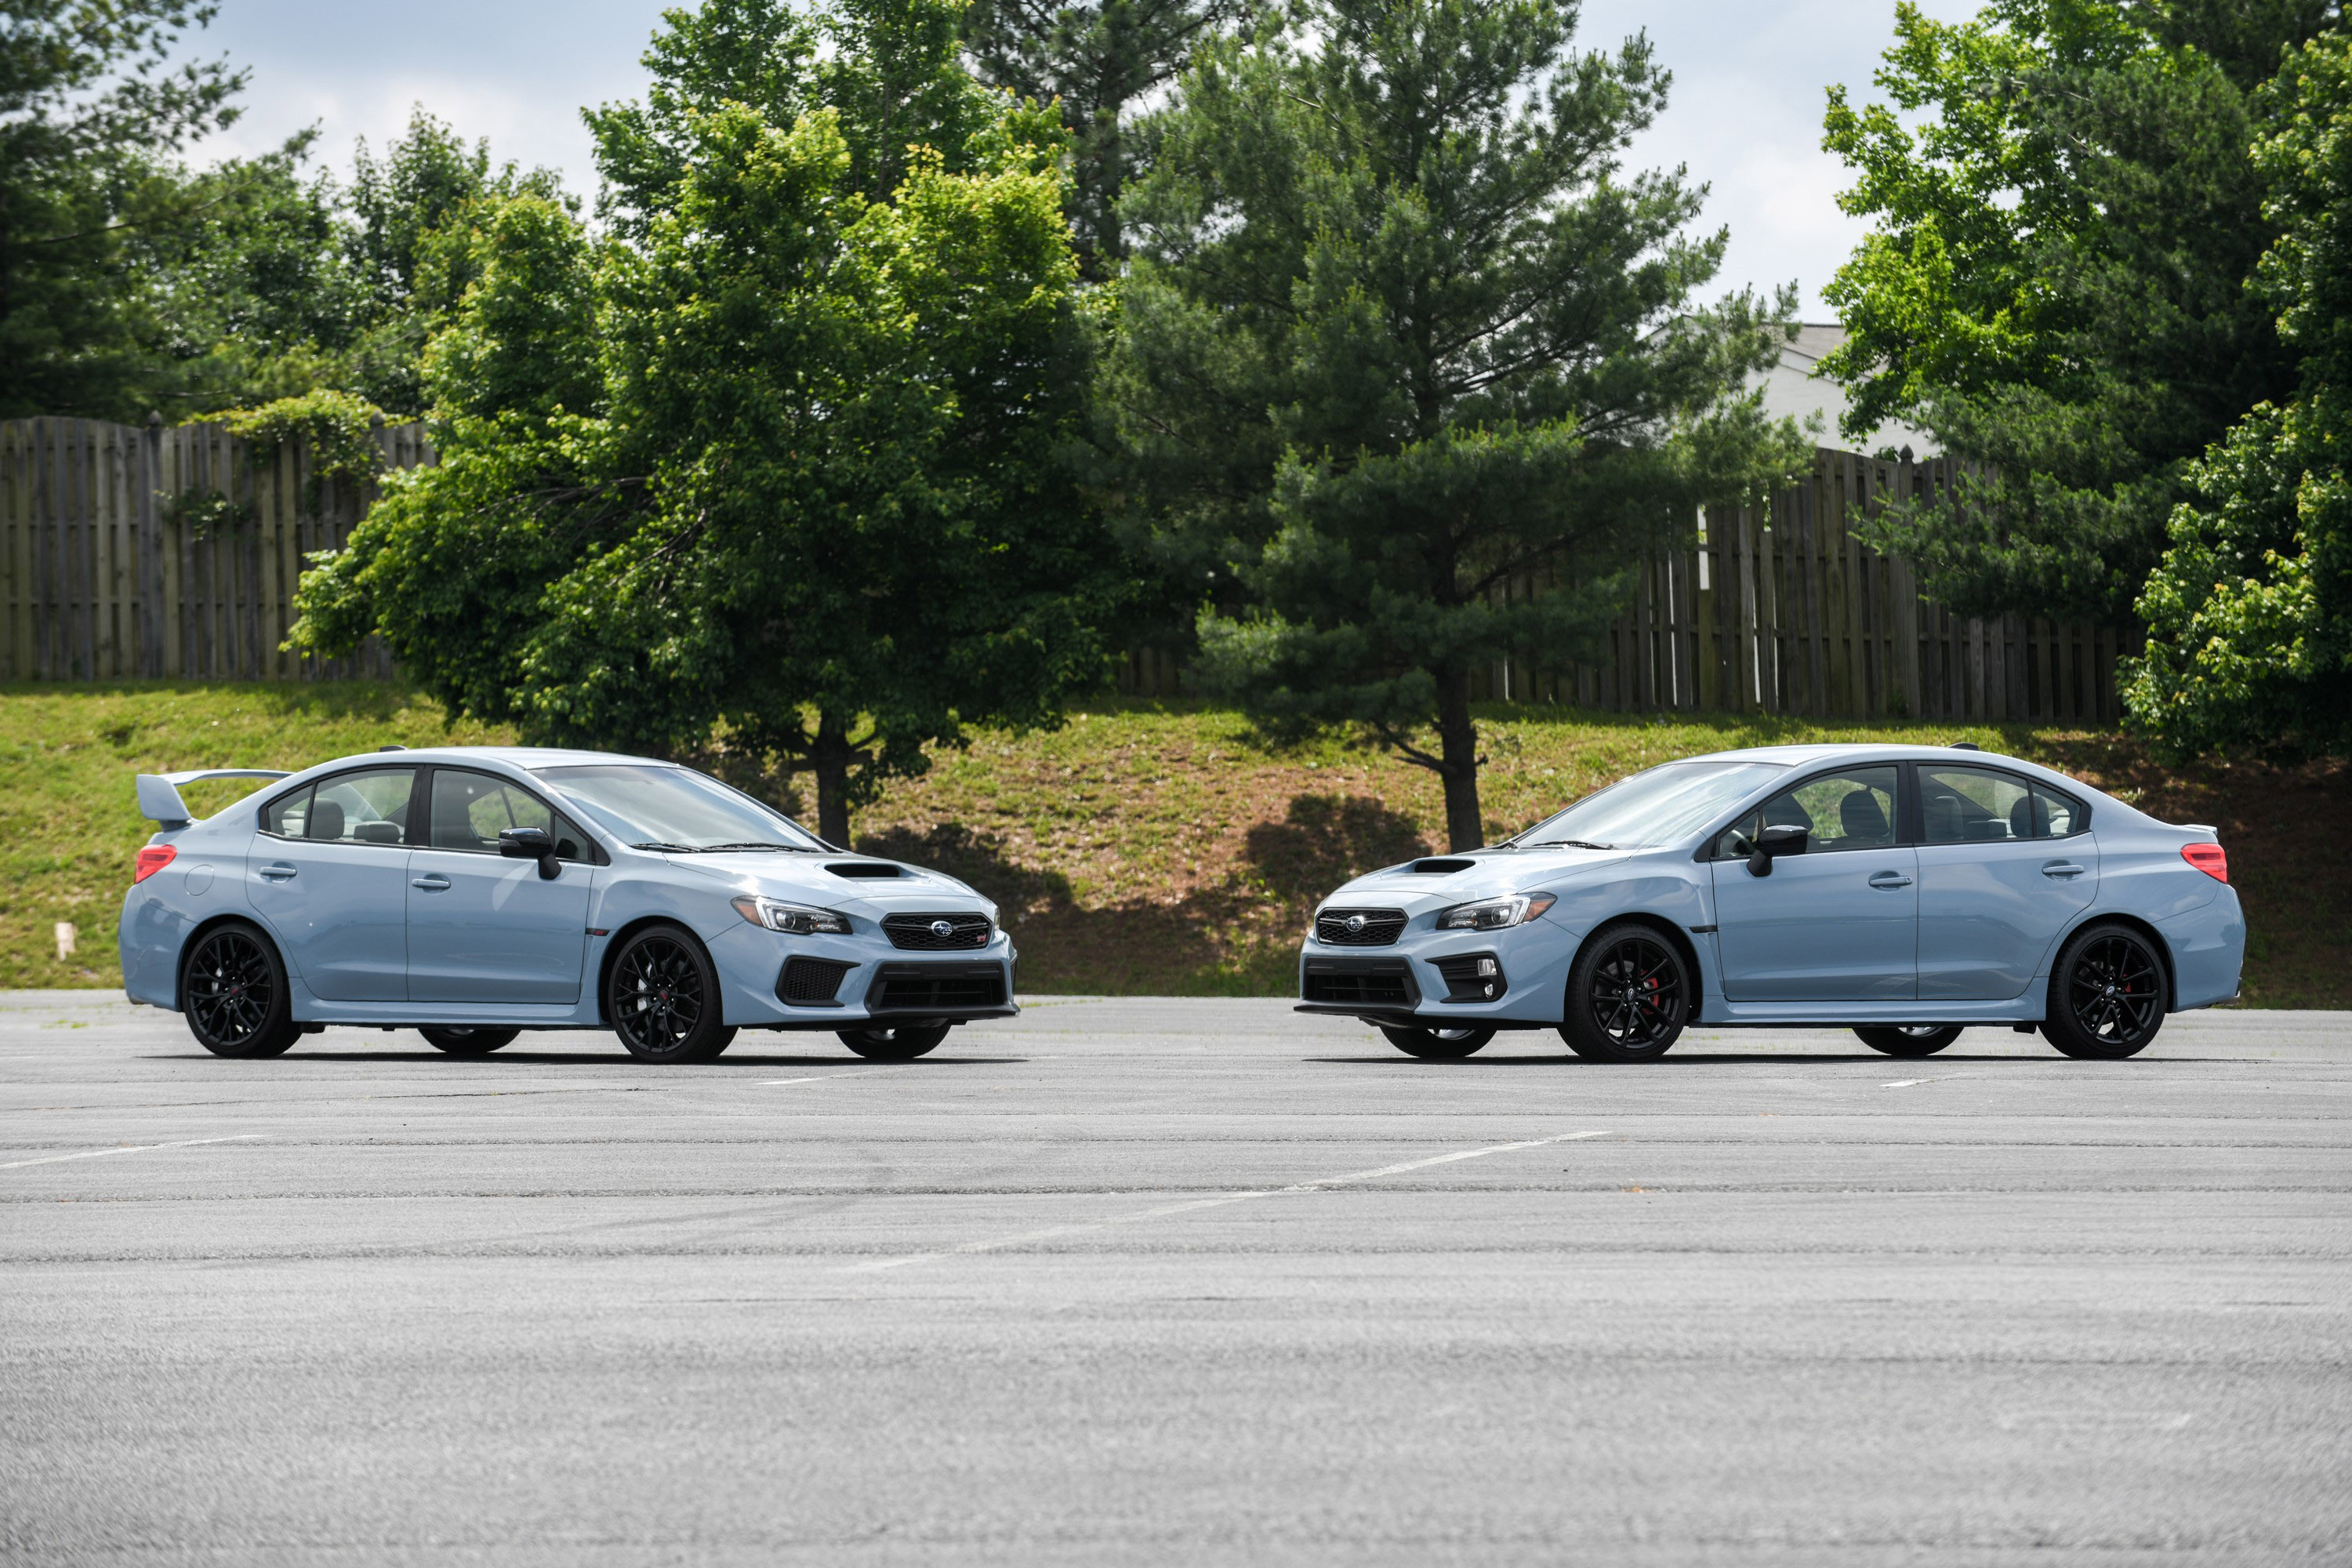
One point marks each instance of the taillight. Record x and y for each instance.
(2207, 858)
(152, 859)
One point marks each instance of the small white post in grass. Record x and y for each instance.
(65, 940)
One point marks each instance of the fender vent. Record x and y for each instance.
(864, 869)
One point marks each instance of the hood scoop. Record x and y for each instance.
(1439, 868)
(865, 871)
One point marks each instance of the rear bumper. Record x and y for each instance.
(2209, 949)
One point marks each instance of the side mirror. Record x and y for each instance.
(531, 844)
(1782, 838)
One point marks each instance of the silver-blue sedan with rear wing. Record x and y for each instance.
(475, 892)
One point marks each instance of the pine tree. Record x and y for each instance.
(1400, 331)
(1097, 61)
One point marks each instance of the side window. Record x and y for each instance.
(288, 815)
(2061, 815)
(1850, 810)
(470, 809)
(1977, 806)
(370, 807)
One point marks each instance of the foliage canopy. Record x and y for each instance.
(2057, 282)
(777, 458)
(1398, 334)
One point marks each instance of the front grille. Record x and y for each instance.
(937, 988)
(1360, 984)
(1359, 928)
(811, 981)
(1465, 982)
(918, 932)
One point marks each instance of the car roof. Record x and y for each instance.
(513, 756)
(1800, 756)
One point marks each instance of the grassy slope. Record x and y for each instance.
(1144, 849)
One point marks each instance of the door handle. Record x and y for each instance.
(1890, 881)
(281, 872)
(2062, 869)
(433, 883)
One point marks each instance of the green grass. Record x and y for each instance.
(1145, 847)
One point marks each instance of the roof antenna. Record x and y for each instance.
(1964, 746)
(391, 748)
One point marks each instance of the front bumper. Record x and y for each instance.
(1443, 980)
(776, 982)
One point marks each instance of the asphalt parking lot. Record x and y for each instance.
(1162, 1281)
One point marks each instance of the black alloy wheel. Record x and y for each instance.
(1907, 1039)
(661, 996)
(1438, 1044)
(2106, 995)
(234, 990)
(465, 1039)
(1628, 995)
(903, 1044)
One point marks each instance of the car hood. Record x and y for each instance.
(1439, 881)
(855, 884)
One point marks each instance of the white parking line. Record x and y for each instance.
(816, 1077)
(1908, 1082)
(1321, 1184)
(130, 1149)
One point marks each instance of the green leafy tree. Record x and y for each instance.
(2250, 614)
(811, 499)
(1095, 61)
(1399, 332)
(406, 247)
(2055, 285)
(92, 116)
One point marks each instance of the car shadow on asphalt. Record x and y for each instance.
(1679, 1058)
(592, 1059)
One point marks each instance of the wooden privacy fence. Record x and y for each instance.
(1780, 609)
(167, 552)
(170, 552)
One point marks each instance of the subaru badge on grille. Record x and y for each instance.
(943, 928)
(1355, 922)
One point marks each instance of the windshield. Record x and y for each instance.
(1659, 806)
(674, 808)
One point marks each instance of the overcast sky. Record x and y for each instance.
(1745, 115)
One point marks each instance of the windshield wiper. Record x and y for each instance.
(1569, 843)
(762, 843)
(667, 848)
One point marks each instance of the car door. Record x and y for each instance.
(2004, 867)
(484, 927)
(329, 875)
(1836, 924)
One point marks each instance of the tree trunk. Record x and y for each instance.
(829, 759)
(1457, 748)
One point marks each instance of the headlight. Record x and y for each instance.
(1494, 914)
(797, 919)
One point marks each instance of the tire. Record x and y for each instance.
(1438, 1044)
(900, 1045)
(661, 996)
(2106, 995)
(1907, 1039)
(232, 988)
(1628, 995)
(465, 1039)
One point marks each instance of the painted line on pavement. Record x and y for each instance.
(130, 1149)
(1321, 1184)
(1909, 1082)
(821, 1077)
